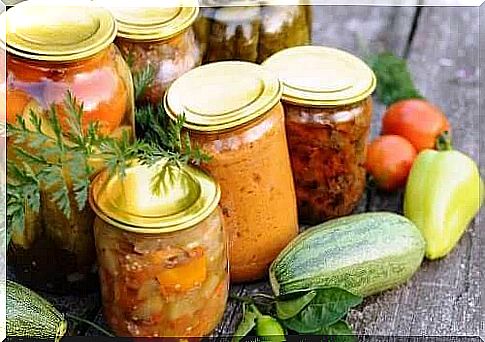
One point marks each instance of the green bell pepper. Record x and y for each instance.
(443, 194)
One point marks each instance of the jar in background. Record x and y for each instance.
(162, 37)
(50, 50)
(162, 255)
(235, 115)
(251, 30)
(328, 105)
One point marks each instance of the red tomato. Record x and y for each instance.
(420, 122)
(389, 160)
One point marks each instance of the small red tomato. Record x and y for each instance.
(420, 122)
(389, 160)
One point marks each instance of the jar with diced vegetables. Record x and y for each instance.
(161, 250)
(158, 43)
(50, 51)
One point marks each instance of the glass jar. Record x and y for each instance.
(235, 115)
(251, 30)
(328, 104)
(162, 255)
(52, 50)
(162, 37)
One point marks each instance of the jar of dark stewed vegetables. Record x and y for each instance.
(52, 50)
(161, 250)
(159, 37)
(328, 108)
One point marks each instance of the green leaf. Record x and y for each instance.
(394, 81)
(328, 307)
(286, 309)
(142, 79)
(340, 332)
(247, 324)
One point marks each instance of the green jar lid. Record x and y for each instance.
(178, 198)
(56, 31)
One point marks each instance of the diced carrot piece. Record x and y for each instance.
(185, 276)
(17, 100)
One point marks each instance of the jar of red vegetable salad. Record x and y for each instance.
(161, 36)
(161, 250)
(52, 50)
(328, 105)
(235, 114)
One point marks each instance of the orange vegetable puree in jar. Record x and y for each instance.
(328, 106)
(235, 115)
(162, 255)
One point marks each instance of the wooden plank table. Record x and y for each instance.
(442, 46)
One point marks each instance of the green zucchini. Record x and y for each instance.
(30, 315)
(363, 254)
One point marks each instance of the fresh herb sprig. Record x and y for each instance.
(154, 126)
(319, 311)
(394, 81)
(142, 79)
(54, 156)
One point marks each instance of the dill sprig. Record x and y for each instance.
(394, 81)
(142, 79)
(166, 137)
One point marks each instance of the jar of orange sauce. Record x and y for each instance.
(233, 112)
(328, 106)
(53, 49)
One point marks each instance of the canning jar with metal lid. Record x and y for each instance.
(328, 105)
(52, 50)
(251, 30)
(234, 114)
(160, 36)
(161, 249)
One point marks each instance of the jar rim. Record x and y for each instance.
(130, 204)
(37, 30)
(319, 76)
(225, 95)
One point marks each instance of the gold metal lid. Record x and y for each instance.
(176, 199)
(222, 95)
(321, 76)
(155, 20)
(56, 31)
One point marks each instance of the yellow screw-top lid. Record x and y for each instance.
(148, 200)
(222, 95)
(152, 20)
(56, 31)
(321, 76)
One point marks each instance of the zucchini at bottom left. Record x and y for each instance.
(30, 315)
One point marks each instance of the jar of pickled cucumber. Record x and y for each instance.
(161, 251)
(251, 30)
(234, 113)
(52, 50)
(161, 37)
(328, 107)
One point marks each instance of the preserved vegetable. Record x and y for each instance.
(160, 38)
(171, 285)
(162, 253)
(242, 127)
(328, 115)
(53, 252)
(328, 151)
(251, 30)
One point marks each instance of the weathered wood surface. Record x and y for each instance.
(443, 49)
